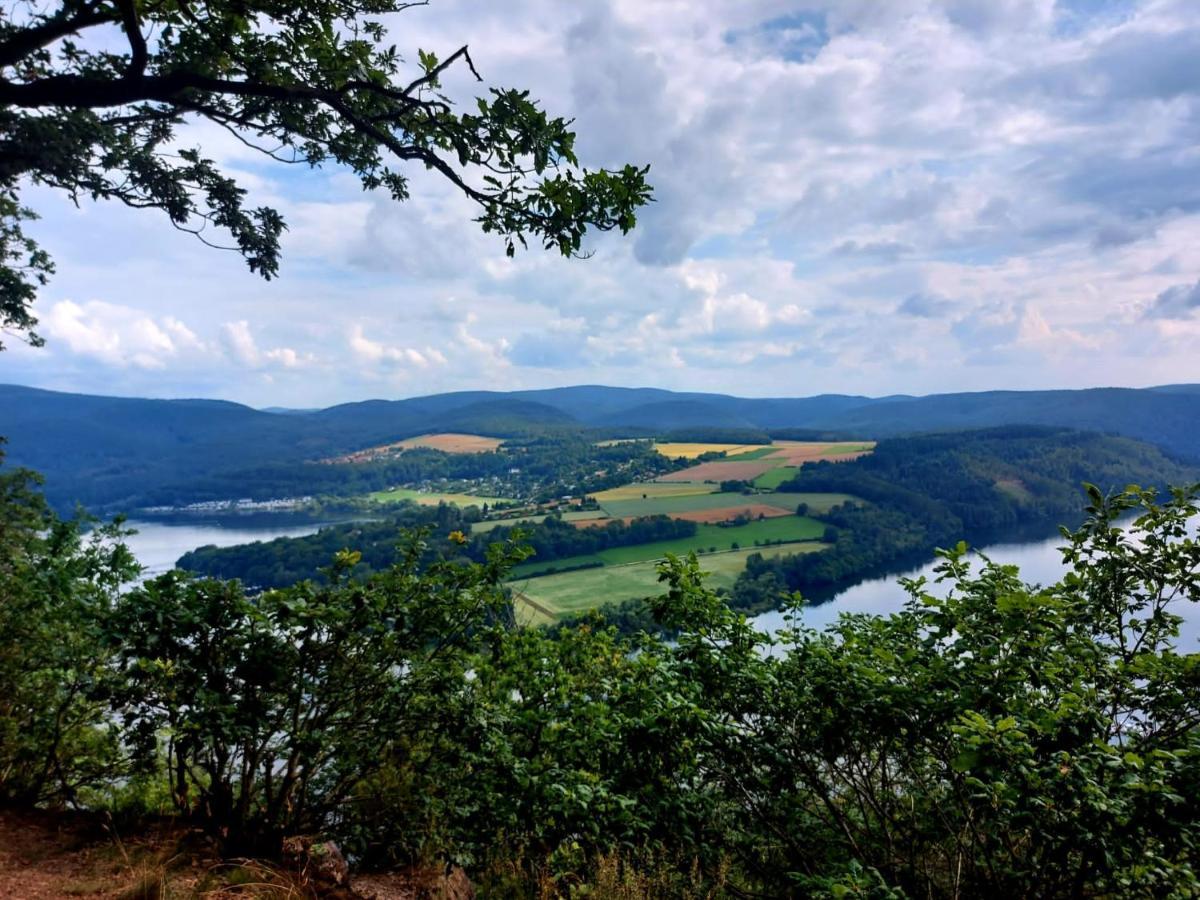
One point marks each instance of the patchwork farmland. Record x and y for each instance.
(730, 524)
(432, 498)
(748, 462)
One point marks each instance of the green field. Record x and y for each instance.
(764, 531)
(432, 499)
(551, 596)
(775, 477)
(479, 527)
(844, 449)
(818, 504)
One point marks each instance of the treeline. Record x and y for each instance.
(934, 490)
(1004, 740)
(284, 561)
(447, 529)
(717, 435)
(553, 538)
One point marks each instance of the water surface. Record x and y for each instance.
(1040, 563)
(157, 545)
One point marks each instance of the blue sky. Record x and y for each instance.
(852, 196)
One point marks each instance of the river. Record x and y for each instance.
(158, 544)
(1040, 562)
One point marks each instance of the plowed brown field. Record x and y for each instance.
(723, 471)
(752, 510)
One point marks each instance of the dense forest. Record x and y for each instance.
(998, 740)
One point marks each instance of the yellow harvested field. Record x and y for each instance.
(451, 442)
(447, 442)
(652, 491)
(689, 450)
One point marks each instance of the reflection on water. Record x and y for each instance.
(157, 545)
(1040, 563)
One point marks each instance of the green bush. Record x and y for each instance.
(274, 711)
(56, 587)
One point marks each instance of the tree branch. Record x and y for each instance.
(26, 40)
(138, 56)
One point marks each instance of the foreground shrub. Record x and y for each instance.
(992, 738)
(56, 588)
(271, 712)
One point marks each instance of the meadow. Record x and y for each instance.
(708, 538)
(446, 441)
(773, 478)
(577, 515)
(671, 505)
(681, 503)
(541, 601)
(652, 489)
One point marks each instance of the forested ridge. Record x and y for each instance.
(118, 454)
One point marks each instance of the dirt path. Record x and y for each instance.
(44, 855)
(51, 856)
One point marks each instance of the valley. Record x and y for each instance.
(776, 499)
(764, 518)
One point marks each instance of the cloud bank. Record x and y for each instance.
(850, 197)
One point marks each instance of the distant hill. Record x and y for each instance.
(107, 451)
(672, 415)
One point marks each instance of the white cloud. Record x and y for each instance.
(240, 345)
(119, 336)
(850, 196)
(373, 352)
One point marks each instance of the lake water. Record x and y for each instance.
(158, 544)
(1040, 562)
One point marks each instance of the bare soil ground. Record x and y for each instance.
(55, 855)
(726, 514)
(723, 471)
(45, 855)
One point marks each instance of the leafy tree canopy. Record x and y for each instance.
(92, 93)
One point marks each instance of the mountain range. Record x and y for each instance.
(98, 450)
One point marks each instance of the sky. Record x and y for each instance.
(851, 197)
